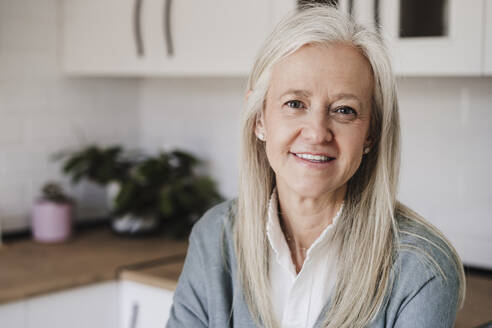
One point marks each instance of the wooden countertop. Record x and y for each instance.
(28, 268)
(162, 276)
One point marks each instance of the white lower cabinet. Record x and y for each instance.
(93, 306)
(12, 315)
(114, 304)
(143, 306)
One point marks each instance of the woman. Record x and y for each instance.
(317, 237)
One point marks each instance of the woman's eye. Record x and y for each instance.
(295, 104)
(345, 110)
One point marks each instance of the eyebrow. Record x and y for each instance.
(295, 92)
(305, 93)
(339, 96)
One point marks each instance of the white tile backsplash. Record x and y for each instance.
(12, 129)
(447, 157)
(13, 205)
(43, 112)
(199, 115)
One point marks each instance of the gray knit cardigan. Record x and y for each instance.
(209, 294)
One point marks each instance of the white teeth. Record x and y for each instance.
(310, 157)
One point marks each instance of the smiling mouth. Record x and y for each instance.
(314, 158)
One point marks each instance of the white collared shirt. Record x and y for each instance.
(299, 298)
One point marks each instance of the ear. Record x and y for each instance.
(260, 127)
(259, 124)
(369, 138)
(367, 146)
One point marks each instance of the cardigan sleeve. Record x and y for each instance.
(433, 305)
(189, 307)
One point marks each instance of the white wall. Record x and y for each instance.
(447, 159)
(199, 115)
(43, 112)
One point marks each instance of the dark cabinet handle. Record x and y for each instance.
(168, 38)
(137, 28)
(376, 15)
(134, 317)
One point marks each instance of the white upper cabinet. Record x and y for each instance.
(163, 37)
(427, 37)
(210, 37)
(488, 38)
(105, 36)
(222, 37)
(434, 37)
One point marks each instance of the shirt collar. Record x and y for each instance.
(275, 234)
(277, 239)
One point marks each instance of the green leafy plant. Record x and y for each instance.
(169, 187)
(53, 192)
(100, 165)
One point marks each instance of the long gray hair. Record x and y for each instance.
(368, 237)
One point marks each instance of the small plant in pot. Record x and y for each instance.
(52, 215)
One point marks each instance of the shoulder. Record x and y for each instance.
(215, 221)
(424, 249)
(212, 233)
(426, 269)
(426, 278)
(204, 286)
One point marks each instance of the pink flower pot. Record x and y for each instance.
(51, 222)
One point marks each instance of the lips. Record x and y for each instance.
(314, 158)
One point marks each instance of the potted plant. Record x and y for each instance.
(163, 190)
(52, 215)
(106, 167)
(99, 165)
(145, 192)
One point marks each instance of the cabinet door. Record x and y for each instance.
(488, 38)
(94, 306)
(105, 36)
(219, 37)
(13, 315)
(144, 306)
(434, 37)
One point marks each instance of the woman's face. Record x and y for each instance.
(316, 118)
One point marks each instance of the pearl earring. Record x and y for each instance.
(261, 136)
(366, 150)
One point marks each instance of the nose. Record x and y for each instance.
(317, 128)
